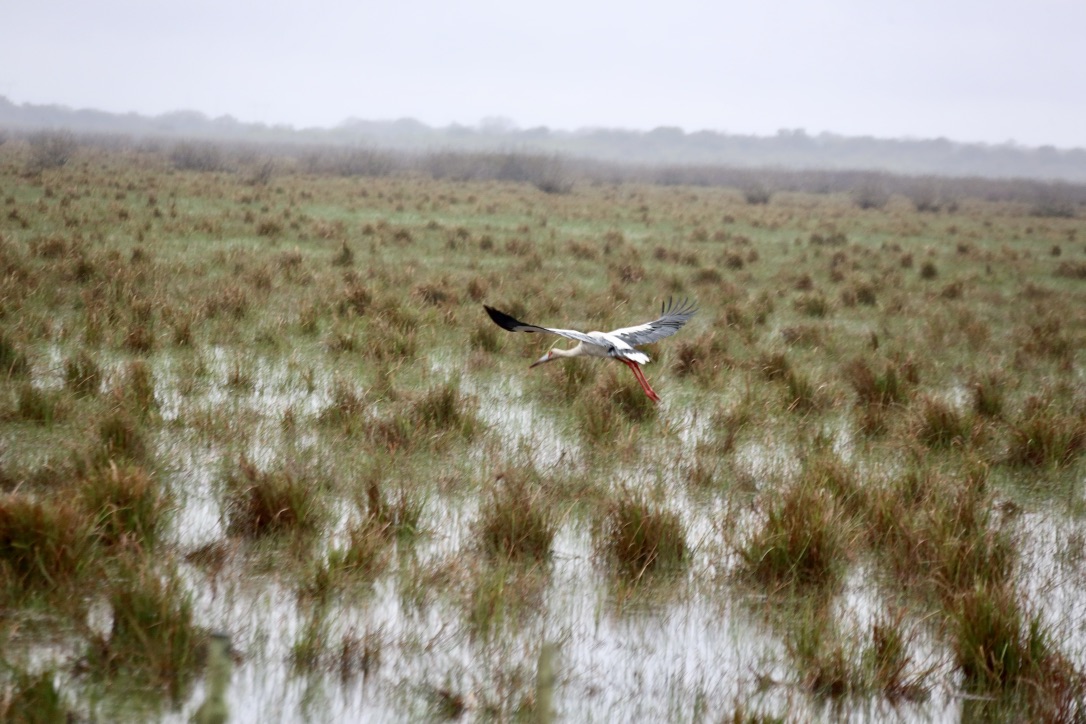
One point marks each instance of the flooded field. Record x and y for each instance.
(262, 452)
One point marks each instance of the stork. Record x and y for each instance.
(618, 344)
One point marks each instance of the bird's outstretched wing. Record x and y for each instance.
(672, 318)
(507, 322)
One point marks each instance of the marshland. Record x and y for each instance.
(262, 451)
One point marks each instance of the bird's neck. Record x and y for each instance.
(575, 352)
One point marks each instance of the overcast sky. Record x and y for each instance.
(970, 70)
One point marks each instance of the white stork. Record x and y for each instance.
(618, 344)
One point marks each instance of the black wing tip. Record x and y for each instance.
(502, 319)
(685, 308)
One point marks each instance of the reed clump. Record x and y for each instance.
(347, 408)
(881, 386)
(773, 365)
(802, 394)
(630, 400)
(838, 664)
(641, 538)
(138, 388)
(1001, 648)
(825, 660)
(127, 505)
(44, 543)
(154, 639)
(443, 408)
(516, 522)
(13, 361)
(121, 438)
(803, 541)
(392, 340)
(366, 552)
(485, 337)
(891, 665)
(939, 425)
(398, 517)
(260, 503)
(566, 380)
(39, 406)
(434, 418)
(701, 358)
(988, 396)
(940, 533)
(612, 405)
(363, 556)
(82, 375)
(1046, 436)
(33, 698)
(825, 470)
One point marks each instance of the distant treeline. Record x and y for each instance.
(789, 149)
(259, 163)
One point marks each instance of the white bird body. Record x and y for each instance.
(618, 344)
(604, 344)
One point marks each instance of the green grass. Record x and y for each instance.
(639, 537)
(33, 699)
(516, 521)
(153, 641)
(44, 544)
(1045, 435)
(127, 505)
(260, 503)
(803, 541)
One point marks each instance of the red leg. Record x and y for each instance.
(636, 369)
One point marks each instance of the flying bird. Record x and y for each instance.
(618, 344)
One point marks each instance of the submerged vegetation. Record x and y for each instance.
(261, 447)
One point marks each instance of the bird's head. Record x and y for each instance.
(545, 358)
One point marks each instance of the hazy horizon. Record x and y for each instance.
(970, 72)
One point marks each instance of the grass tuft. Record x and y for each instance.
(401, 517)
(611, 405)
(941, 426)
(154, 638)
(988, 396)
(825, 470)
(347, 408)
(262, 503)
(82, 375)
(1046, 437)
(13, 361)
(33, 699)
(639, 537)
(43, 543)
(443, 409)
(998, 646)
(824, 660)
(940, 534)
(363, 557)
(126, 504)
(889, 660)
(875, 387)
(121, 438)
(434, 418)
(801, 394)
(138, 388)
(803, 541)
(485, 337)
(36, 405)
(515, 521)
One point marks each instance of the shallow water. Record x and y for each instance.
(692, 648)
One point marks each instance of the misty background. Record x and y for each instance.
(969, 88)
